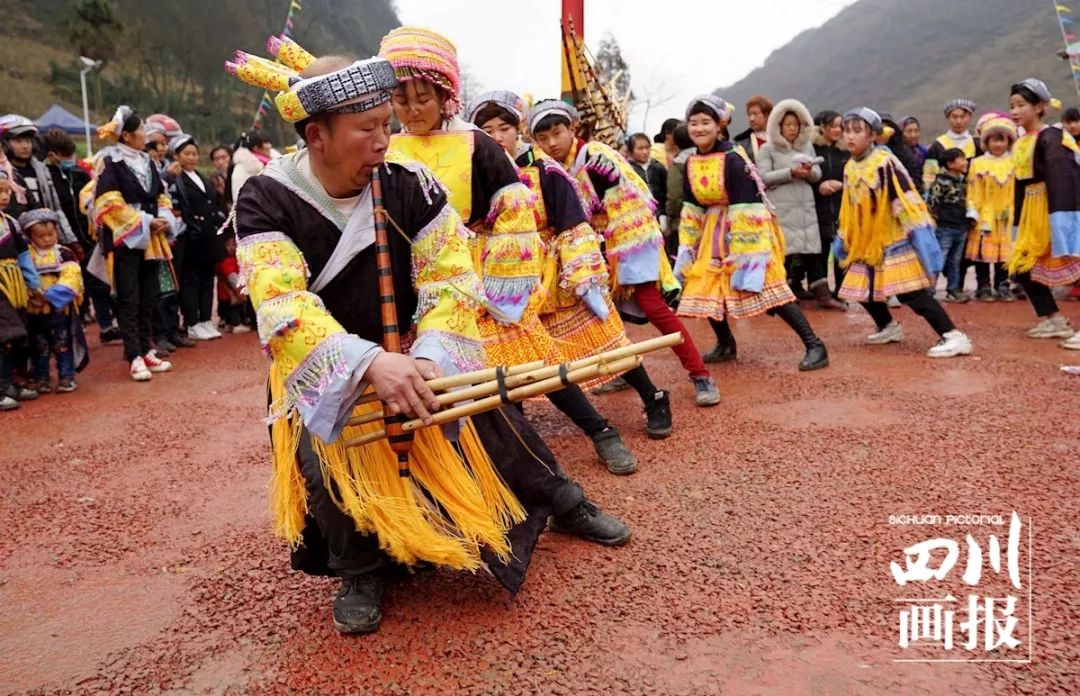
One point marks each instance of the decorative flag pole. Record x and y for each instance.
(1068, 35)
(265, 103)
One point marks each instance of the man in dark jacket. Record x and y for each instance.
(758, 109)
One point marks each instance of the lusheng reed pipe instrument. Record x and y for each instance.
(514, 383)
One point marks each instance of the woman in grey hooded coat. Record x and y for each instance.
(787, 165)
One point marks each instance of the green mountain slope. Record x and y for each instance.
(168, 56)
(910, 58)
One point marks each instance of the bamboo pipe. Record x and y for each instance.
(464, 379)
(527, 373)
(524, 392)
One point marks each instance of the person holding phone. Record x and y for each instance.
(791, 168)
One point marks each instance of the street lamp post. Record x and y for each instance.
(90, 64)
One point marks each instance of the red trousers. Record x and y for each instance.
(658, 313)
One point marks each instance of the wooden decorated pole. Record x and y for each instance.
(572, 20)
(400, 441)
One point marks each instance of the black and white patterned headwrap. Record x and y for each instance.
(547, 107)
(500, 97)
(720, 108)
(965, 104)
(865, 114)
(363, 85)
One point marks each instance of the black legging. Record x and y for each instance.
(922, 303)
(814, 267)
(577, 407)
(1040, 296)
(197, 280)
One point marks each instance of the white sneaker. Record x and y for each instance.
(953, 343)
(210, 329)
(155, 364)
(893, 333)
(1051, 327)
(1072, 343)
(139, 372)
(894, 302)
(241, 329)
(196, 333)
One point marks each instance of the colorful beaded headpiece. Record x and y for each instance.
(361, 86)
(421, 54)
(994, 123)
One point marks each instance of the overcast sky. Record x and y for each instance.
(673, 47)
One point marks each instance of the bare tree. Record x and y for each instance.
(655, 91)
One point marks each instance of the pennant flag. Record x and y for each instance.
(1066, 21)
(1062, 8)
(1070, 37)
(265, 103)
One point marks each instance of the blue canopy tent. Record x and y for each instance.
(59, 117)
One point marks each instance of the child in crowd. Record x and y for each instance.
(233, 306)
(990, 207)
(886, 240)
(53, 322)
(18, 282)
(1070, 121)
(947, 201)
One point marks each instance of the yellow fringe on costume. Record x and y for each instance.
(991, 200)
(12, 284)
(866, 219)
(1031, 250)
(1033, 234)
(471, 508)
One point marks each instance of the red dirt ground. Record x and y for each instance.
(137, 557)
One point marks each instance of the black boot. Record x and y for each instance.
(357, 607)
(726, 349)
(658, 416)
(613, 452)
(816, 356)
(589, 522)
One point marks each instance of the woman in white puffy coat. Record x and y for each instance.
(786, 163)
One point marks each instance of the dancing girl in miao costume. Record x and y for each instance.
(731, 246)
(483, 186)
(577, 309)
(1046, 251)
(991, 199)
(886, 240)
(621, 209)
(307, 251)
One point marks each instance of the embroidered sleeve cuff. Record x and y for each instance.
(594, 299)
(326, 403)
(140, 237)
(640, 266)
(683, 260)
